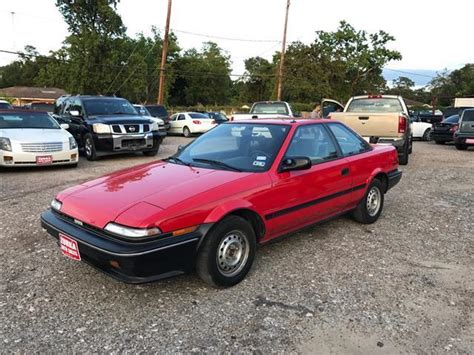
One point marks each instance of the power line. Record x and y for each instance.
(411, 73)
(226, 38)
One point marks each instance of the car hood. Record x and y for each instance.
(154, 187)
(35, 135)
(120, 119)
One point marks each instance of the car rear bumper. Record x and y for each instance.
(398, 143)
(16, 159)
(201, 128)
(460, 137)
(394, 178)
(124, 143)
(441, 136)
(130, 262)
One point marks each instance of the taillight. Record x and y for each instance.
(402, 124)
(213, 122)
(231, 118)
(454, 128)
(375, 96)
(196, 122)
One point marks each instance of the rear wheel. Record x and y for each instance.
(227, 252)
(89, 147)
(460, 146)
(427, 135)
(186, 132)
(369, 209)
(403, 158)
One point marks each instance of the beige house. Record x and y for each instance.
(21, 95)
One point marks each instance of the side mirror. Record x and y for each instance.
(64, 126)
(295, 163)
(75, 113)
(181, 147)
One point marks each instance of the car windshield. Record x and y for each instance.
(375, 105)
(108, 106)
(27, 120)
(236, 147)
(452, 119)
(468, 116)
(157, 111)
(198, 115)
(277, 108)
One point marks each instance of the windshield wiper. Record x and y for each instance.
(177, 160)
(216, 163)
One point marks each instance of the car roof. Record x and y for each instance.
(283, 121)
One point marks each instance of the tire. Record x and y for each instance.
(427, 135)
(89, 147)
(403, 159)
(213, 267)
(410, 146)
(460, 146)
(369, 209)
(440, 142)
(186, 132)
(151, 153)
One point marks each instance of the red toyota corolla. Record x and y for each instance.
(208, 206)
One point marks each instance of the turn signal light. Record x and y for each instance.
(184, 231)
(8, 159)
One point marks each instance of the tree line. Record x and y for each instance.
(98, 57)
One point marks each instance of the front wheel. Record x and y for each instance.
(369, 209)
(427, 135)
(460, 146)
(227, 252)
(89, 147)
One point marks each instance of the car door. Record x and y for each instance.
(328, 106)
(77, 123)
(307, 196)
(357, 153)
(180, 123)
(173, 123)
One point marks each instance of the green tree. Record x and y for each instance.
(449, 85)
(259, 81)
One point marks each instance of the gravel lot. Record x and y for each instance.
(403, 284)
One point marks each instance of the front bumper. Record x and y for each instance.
(123, 143)
(131, 262)
(460, 137)
(394, 178)
(16, 159)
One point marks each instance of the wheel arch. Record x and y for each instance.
(382, 177)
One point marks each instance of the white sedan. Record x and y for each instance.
(187, 123)
(421, 130)
(29, 138)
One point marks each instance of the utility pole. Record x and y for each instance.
(282, 57)
(161, 87)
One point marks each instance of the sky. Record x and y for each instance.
(431, 35)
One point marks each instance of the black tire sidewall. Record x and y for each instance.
(361, 214)
(186, 132)
(211, 243)
(93, 153)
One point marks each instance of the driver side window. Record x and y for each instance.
(314, 142)
(349, 142)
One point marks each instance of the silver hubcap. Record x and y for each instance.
(232, 253)
(88, 147)
(374, 198)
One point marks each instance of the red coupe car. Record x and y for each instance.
(207, 207)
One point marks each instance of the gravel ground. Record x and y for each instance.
(403, 284)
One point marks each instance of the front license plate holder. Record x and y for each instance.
(44, 160)
(69, 247)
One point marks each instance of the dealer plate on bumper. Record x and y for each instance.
(69, 247)
(469, 141)
(44, 160)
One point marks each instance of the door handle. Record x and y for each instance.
(345, 172)
(363, 117)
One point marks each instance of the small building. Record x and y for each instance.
(21, 95)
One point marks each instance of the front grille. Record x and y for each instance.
(116, 129)
(132, 128)
(146, 128)
(42, 147)
(130, 143)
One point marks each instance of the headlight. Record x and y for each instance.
(160, 121)
(72, 143)
(101, 128)
(5, 144)
(55, 204)
(154, 126)
(131, 232)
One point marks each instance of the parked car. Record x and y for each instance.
(30, 138)
(143, 111)
(428, 116)
(5, 105)
(40, 106)
(382, 119)
(464, 135)
(443, 131)
(266, 109)
(158, 111)
(108, 125)
(209, 205)
(219, 117)
(188, 123)
(420, 129)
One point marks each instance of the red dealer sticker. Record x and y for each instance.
(69, 247)
(44, 160)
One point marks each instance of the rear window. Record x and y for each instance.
(276, 108)
(375, 105)
(198, 115)
(5, 105)
(468, 116)
(157, 111)
(42, 107)
(452, 119)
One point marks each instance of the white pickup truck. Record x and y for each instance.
(382, 119)
(266, 109)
